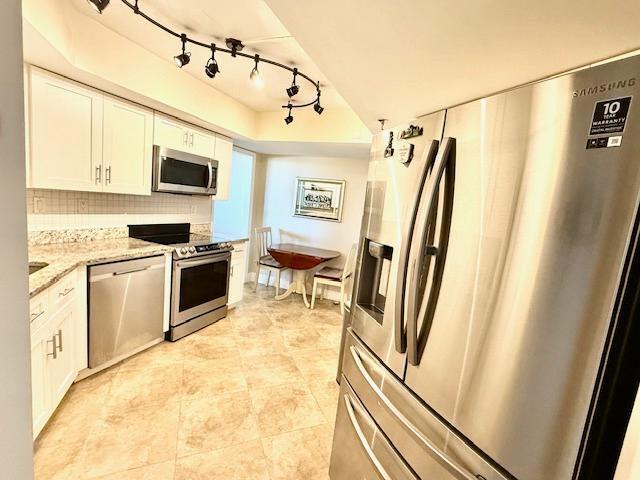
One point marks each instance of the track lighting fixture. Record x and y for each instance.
(185, 57)
(234, 48)
(255, 76)
(293, 89)
(98, 5)
(289, 118)
(211, 68)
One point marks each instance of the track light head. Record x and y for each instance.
(318, 108)
(98, 5)
(185, 57)
(255, 76)
(211, 68)
(289, 118)
(182, 59)
(293, 90)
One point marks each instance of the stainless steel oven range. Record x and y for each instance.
(200, 275)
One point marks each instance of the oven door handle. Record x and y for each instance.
(210, 169)
(194, 263)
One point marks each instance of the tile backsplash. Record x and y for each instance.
(60, 210)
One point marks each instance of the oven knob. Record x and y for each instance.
(184, 250)
(192, 249)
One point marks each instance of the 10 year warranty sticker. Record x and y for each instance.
(609, 116)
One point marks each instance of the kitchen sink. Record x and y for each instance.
(36, 266)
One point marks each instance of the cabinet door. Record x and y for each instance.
(236, 282)
(65, 134)
(170, 134)
(41, 345)
(201, 143)
(237, 274)
(223, 154)
(127, 147)
(62, 369)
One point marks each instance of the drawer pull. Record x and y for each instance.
(66, 292)
(54, 353)
(59, 335)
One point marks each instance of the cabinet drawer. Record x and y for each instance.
(62, 292)
(38, 310)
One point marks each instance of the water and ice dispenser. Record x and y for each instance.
(374, 278)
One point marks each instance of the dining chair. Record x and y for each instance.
(336, 277)
(262, 237)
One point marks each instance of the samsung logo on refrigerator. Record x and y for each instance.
(604, 87)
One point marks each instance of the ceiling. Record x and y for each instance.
(405, 58)
(212, 21)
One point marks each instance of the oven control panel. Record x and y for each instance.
(191, 251)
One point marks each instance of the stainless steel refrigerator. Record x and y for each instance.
(492, 289)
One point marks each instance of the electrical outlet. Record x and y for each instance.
(38, 205)
(82, 205)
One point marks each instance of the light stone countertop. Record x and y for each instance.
(65, 257)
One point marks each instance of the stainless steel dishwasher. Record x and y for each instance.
(126, 303)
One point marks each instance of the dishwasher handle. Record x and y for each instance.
(106, 271)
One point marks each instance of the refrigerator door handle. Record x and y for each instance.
(425, 227)
(363, 441)
(461, 472)
(403, 288)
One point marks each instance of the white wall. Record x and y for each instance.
(15, 367)
(280, 173)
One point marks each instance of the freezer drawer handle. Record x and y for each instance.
(403, 288)
(462, 472)
(363, 441)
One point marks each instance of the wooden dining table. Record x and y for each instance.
(300, 259)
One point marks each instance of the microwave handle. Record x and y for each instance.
(210, 168)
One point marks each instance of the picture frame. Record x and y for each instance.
(319, 198)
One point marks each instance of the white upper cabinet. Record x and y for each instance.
(127, 147)
(174, 134)
(81, 139)
(223, 154)
(168, 133)
(65, 132)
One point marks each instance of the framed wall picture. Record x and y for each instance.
(319, 198)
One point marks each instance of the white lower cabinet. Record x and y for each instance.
(56, 319)
(237, 273)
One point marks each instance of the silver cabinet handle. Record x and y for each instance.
(186, 137)
(231, 271)
(99, 174)
(66, 292)
(107, 175)
(59, 335)
(191, 139)
(54, 353)
(410, 427)
(127, 272)
(363, 441)
(36, 315)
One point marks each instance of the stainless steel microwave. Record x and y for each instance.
(181, 172)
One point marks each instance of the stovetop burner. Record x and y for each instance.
(178, 235)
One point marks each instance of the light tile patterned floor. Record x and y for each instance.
(251, 397)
